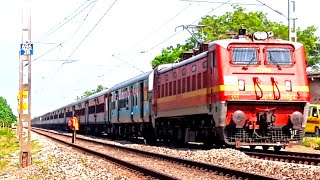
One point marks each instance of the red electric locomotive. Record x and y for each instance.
(251, 90)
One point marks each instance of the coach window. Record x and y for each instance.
(92, 109)
(278, 56)
(100, 108)
(166, 77)
(244, 56)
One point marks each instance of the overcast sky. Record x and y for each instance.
(131, 31)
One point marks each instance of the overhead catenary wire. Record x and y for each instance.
(67, 59)
(92, 29)
(164, 24)
(176, 33)
(64, 21)
(75, 32)
(262, 3)
(128, 63)
(61, 43)
(220, 2)
(60, 67)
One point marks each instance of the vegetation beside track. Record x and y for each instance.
(311, 142)
(9, 149)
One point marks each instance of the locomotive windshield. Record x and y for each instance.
(244, 56)
(278, 56)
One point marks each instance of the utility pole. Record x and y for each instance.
(292, 28)
(24, 97)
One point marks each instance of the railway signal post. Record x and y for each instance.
(24, 95)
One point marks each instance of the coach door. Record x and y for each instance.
(131, 102)
(141, 99)
(86, 116)
(117, 106)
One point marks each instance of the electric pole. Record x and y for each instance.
(292, 28)
(24, 97)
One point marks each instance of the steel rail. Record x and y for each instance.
(146, 172)
(284, 156)
(189, 163)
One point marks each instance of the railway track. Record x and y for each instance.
(284, 156)
(133, 167)
(182, 163)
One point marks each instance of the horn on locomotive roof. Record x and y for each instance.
(242, 32)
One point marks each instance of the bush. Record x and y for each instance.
(306, 143)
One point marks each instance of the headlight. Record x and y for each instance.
(296, 118)
(260, 35)
(238, 117)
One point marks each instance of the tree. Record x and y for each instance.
(6, 115)
(217, 27)
(89, 93)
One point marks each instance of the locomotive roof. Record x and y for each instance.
(223, 43)
(131, 81)
(167, 67)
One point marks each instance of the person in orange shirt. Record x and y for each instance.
(75, 122)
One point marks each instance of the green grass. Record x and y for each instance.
(8, 145)
(35, 147)
(312, 142)
(3, 164)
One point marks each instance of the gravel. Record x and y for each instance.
(234, 159)
(162, 166)
(55, 161)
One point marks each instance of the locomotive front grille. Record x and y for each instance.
(273, 136)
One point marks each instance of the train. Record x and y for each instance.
(248, 90)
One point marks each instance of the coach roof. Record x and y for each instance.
(131, 81)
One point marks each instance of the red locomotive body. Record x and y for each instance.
(250, 90)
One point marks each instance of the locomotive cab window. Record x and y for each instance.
(244, 56)
(278, 56)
